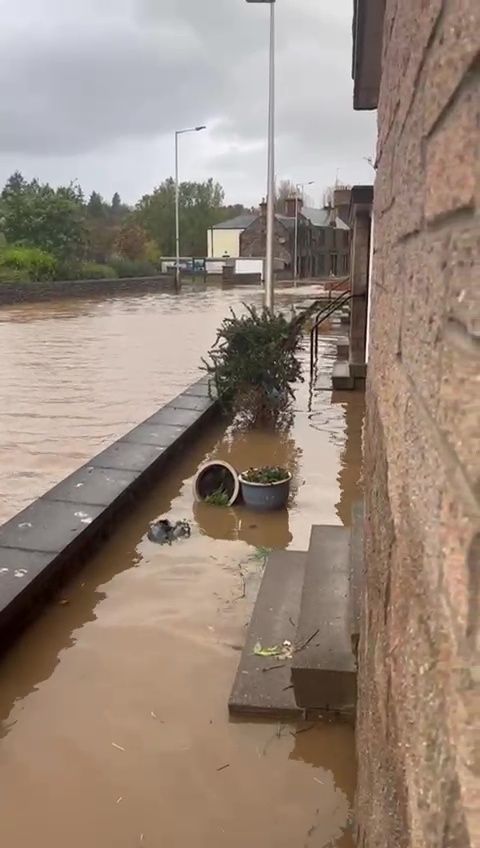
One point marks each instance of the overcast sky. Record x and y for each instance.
(94, 89)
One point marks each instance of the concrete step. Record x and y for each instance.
(341, 377)
(357, 568)
(263, 684)
(343, 347)
(323, 667)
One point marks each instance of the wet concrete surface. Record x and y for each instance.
(113, 706)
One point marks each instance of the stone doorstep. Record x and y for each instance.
(323, 671)
(341, 378)
(358, 370)
(343, 349)
(262, 686)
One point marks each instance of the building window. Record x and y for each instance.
(321, 264)
(321, 236)
(346, 238)
(334, 264)
(345, 263)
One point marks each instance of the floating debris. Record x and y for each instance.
(163, 532)
(280, 652)
(119, 747)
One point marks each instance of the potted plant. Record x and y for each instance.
(265, 489)
(253, 366)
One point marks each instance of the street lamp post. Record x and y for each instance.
(177, 204)
(269, 257)
(295, 260)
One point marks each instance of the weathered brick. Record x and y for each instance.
(423, 319)
(452, 159)
(463, 274)
(457, 529)
(451, 55)
(458, 413)
(409, 176)
(423, 18)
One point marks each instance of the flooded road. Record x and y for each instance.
(113, 707)
(76, 375)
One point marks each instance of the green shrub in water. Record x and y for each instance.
(254, 363)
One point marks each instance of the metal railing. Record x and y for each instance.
(322, 316)
(337, 285)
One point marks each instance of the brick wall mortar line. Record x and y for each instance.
(470, 78)
(459, 475)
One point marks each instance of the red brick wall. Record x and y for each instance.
(419, 701)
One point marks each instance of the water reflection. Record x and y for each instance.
(268, 530)
(351, 459)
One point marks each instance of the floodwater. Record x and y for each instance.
(114, 730)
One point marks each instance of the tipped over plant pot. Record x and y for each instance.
(265, 489)
(216, 483)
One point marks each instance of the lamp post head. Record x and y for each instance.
(198, 129)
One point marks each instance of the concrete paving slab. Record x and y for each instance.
(174, 416)
(323, 671)
(263, 686)
(48, 526)
(93, 485)
(200, 403)
(202, 388)
(127, 456)
(159, 435)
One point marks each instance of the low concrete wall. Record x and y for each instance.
(49, 540)
(11, 293)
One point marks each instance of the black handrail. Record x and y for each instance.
(322, 316)
(337, 285)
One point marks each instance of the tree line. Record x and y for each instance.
(51, 233)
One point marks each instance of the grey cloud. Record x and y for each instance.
(79, 79)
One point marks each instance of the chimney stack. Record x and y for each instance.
(291, 205)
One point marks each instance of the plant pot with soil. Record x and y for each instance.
(265, 489)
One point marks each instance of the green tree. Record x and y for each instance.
(200, 204)
(40, 216)
(131, 242)
(97, 209)
(118, 210)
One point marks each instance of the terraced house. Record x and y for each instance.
(323, 246)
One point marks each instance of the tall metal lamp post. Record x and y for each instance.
(295, 260)
(177, 204)
(269, 258)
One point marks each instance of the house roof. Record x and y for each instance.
(241, 222)
(317, 217)
(321, 218)
(286, 221)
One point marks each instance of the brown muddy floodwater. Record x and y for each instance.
(114, 730)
